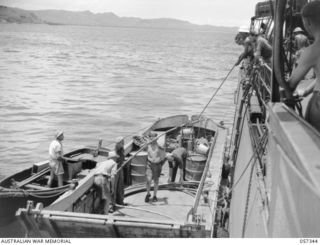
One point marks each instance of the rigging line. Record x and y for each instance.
(217, 90)
(164, 133)
(148, 211)
(249, 214)
(245, 99)
(46, 196)
(262, 142)
(129, 135)
(244, 225)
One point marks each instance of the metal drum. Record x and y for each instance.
(194, 167)
(138, 167)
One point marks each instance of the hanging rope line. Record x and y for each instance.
(217, 90)
(129, 135)
(262, 143)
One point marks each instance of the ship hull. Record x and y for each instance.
(275, 190)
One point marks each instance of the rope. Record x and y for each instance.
(217, 90)
(247, 202)
(148, 211)
(46, 196)
(263, 144)
(192, 123)
(129, 135)
(249, 213)
(156, 138)
(240, 123)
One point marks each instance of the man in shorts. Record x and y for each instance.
(156, 158)
(56, 158)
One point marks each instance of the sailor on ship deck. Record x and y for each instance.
(310, 58)
(262, 47)
(245, 41)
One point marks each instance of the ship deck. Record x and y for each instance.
(176, 205)
(170, 216)
(172, 206)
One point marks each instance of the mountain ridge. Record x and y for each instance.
(87, 18)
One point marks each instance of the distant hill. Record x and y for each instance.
(15, 15)
(87, 18)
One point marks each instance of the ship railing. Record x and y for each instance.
(261, 81)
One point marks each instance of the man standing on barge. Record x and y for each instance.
(56, 158)
(156, 158)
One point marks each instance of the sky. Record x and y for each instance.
(211, 12)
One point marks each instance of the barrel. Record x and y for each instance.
(138, 167)
(194, 167)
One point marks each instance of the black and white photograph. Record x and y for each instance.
(159, 119)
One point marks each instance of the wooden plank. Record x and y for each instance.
(213, 180)
(204, 175)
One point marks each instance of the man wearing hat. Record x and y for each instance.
(156, 158)
(56, 158)
(300, 40)
(245, 41)
(300, 43)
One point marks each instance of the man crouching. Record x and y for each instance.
(103, 179)
(177, 159)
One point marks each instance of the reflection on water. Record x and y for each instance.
(98, 82)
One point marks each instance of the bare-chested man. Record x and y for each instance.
(156, 158)
(310, 59)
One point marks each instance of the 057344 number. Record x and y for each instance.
(308, 240)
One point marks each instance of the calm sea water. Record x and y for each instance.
(99, 82)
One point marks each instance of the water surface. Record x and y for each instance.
(100, 82)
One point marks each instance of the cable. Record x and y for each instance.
(129, 135)
(217, 90)
(148, 211)
(262, 143)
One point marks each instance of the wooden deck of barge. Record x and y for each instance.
(177, 213)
